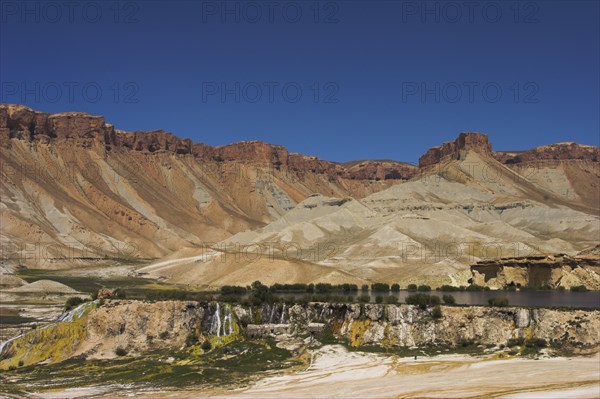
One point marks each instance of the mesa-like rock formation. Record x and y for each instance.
(453, 149)
(540, 272)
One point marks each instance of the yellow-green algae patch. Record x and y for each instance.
(357, 330)
(51, 343)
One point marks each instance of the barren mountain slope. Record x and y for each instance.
(465, 206)
(75, 190)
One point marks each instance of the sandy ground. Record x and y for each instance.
(336, 373)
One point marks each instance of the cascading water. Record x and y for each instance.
(215, 324)
(282, 321)
(272, 314)
(227, 322)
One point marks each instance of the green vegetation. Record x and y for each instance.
(423, 300)
(436, 313)
(379, 299)
(424, 288)
(579, 288)
(73, 302)
(498, 301)
(395, 287)
(364, 288)
(364, 298)
(120, 351)
(475, 287)
(391, 299)
(448, 299)
(412, 287)
(206, 346)
(380, 287)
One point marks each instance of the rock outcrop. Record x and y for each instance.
(138, 326)
(547, 272)
(559, 151)
(470, 141)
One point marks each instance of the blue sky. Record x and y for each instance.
(340, 80)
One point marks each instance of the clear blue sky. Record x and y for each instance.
(379, 79)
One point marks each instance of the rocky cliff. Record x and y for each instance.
(537, 272)
(95, 332)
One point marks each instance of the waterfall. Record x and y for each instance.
(216, 321)
(227, 321)
(272, 314)
(282, 314)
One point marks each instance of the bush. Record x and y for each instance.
(412, 287)
(424, 288)
(120, 351)
(379, 299)
(364, 288)
(233, 290)
(448, 299)
(436, 313)
(498, 301)
(395, 287)
(579, 288)
(380, 287)
(364, 298)
(73, 302)
(206, 346)
(422, 300)
(391, 299)
(449, 288)
(164, 335)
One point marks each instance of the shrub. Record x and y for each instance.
(72, 302)
(436, 313)
(380, 287)
(120, 351)
(412, 287)
(164, 335)
(434, 300)
(364, 298)
(424, 288)
(419, 299)
(579, 288)
(191, 339)
(119, 293)
(391, 299)
(379, 299)
(448, 299)
(364, 288)
(498, 301)
(395, 287)
(206, 346)
(233, 290)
